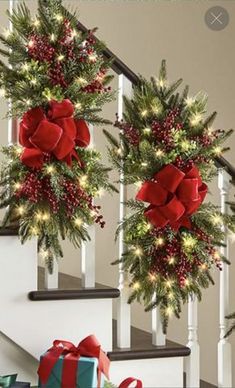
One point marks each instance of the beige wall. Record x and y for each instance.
(142, 33)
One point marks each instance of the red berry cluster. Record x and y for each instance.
(40, 49)
(56, 75)
(31, 188)
(163, 130)
(73, 195)
(131, 134)
(49, 195)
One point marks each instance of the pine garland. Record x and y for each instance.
(165, 128)
(50, 60)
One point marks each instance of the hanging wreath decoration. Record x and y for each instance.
(167, 149)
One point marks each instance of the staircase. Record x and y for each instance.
(37, 307)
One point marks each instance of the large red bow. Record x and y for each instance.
(173, 196)
(89, 347)
(56, 133)
(126, 383)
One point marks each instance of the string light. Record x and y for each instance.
(159, 153)
(136, 286)
(59, 17)
(161, 82)
(25, 66)
(33, 81)
(187, 282)
(203, 266)
(28, 102)
(44, 254)
(119, 151)
(31, 43)
(144, 164)
(189, 242)
(138, 252)
(147, 131)
(171, 260)
(21, 210)
(169, 283)
(144, 113)
(7, 33)
(83, 180)
(169, 311)
(217, 151)
(46, 217)
(185, 145)
(216, 255)
(34, 230)
(17, 186)
(159, 241)
(217, 219)
(52, 37)
(152, 277)
(50, 169)
(155, 109)
(189, 101)
(78, 222)
(60, 57)
(36, 23)
(18, 150)
(2, 92)
(78, 105)
(171, 295)
(92, 57)
(82, 81)
(195, 119)
(38, 216)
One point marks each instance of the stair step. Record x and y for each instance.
(142, 348)
(70, 288)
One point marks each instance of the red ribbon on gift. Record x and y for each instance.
(89, 347)
(56, 133)
(173, 196)
(126, 383)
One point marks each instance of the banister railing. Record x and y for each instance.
(127, 78)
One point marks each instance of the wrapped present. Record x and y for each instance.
(9, 381)
(65, 365)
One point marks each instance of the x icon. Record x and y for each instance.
(216, 18)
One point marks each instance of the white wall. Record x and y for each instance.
(141, 33)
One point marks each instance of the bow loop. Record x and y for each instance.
(173, 196)
(126, 383)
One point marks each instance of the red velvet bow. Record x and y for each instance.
(56, 133)
(89, 347)
(126, 383)
(173, 196)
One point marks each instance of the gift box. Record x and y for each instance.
(67, 366)
(9, 381)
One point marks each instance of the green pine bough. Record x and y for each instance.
(167, 149)
(57, 81)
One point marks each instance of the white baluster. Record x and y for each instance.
(12, 122)
(192, 362)
(158, 337)
(88, 247)
(224, 347)
(51, 281)
(123, 308)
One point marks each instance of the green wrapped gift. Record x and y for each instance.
(7, 381)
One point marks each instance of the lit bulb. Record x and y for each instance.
(50, 169)
(159, 153)
(169, 311)
(25, 66)
(2, 92)
(60, 57)
(138, 252)
(28, 102)
(195, 119)
(18, 150)
(169, 283)
(147, 131)
(216, 255)
(78, 222)
(36, 23)
(44, 254)
(78, 105)
(31, 43)
(59, 17)
(217, 219)
(155, 109)
(136, 286)
(21, 210)
(187, 282)
(159, 241)
(34, 230)
(185, 145)
(46, 217)
(171, 295)
(217, 151)
(82, 81)
(152, 277)
(33, 81)
(144, 164)
(119, 151)
(203, 266)
(93, 213)
(83, 180)
(17, 185)
(189, 242)
(189, 101)
(52, 37)
(171, 260)
(38, 216)
(144, 113)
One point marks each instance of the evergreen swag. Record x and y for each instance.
(171, 238)
(56, 78)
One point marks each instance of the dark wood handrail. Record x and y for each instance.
(119, 67)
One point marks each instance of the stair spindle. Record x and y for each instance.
(158, 337)
(123, 308)
(224, 347)
(192, 363)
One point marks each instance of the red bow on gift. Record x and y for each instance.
(173, 196)
(89, 347)
(56, 133)
(126, 383)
